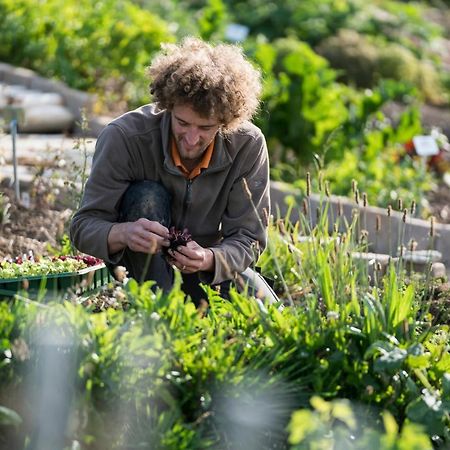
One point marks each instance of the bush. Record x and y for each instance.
(405, 23)
(352, 55)
(337, 424)
(88, 45)
(364, 63)
(307, 20)
(399, 63)
(308, 117)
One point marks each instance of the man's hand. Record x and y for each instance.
(192, 257)
(143, 236)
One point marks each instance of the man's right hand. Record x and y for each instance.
(143, 236)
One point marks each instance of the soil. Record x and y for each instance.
(38, 228)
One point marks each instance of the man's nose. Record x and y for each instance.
(192, 136)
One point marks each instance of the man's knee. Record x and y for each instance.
(148, 199)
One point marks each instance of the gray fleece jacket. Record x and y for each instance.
(215, 206)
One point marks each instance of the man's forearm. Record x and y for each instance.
(117, 238)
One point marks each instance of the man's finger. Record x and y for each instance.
(158, 229)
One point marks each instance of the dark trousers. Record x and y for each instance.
(151, 200)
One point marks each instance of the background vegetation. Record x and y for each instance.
(330, 68)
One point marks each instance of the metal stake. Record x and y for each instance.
(13, 126)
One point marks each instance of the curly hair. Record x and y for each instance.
(216, 81)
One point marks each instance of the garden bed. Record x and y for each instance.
(387, 233)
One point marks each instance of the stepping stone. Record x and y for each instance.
(43, 112)
(46, 119)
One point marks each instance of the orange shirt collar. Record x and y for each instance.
(203, 164)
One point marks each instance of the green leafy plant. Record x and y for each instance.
(303, 104)
(336, 424)
(9, 417)
(369, 150)
(381, 167)
(29, 267)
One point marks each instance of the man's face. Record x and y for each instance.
(192, 132)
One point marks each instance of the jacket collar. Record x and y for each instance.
(221, 157)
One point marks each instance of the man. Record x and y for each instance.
(191, 160)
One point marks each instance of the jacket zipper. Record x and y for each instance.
(186, 202)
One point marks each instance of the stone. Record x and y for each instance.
(438, 270)
(46, 119)
(422, 256)
(31, 98)
(75, 101)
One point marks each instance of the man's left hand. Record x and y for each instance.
(192, 257)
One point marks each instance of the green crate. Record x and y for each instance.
(55, 285)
